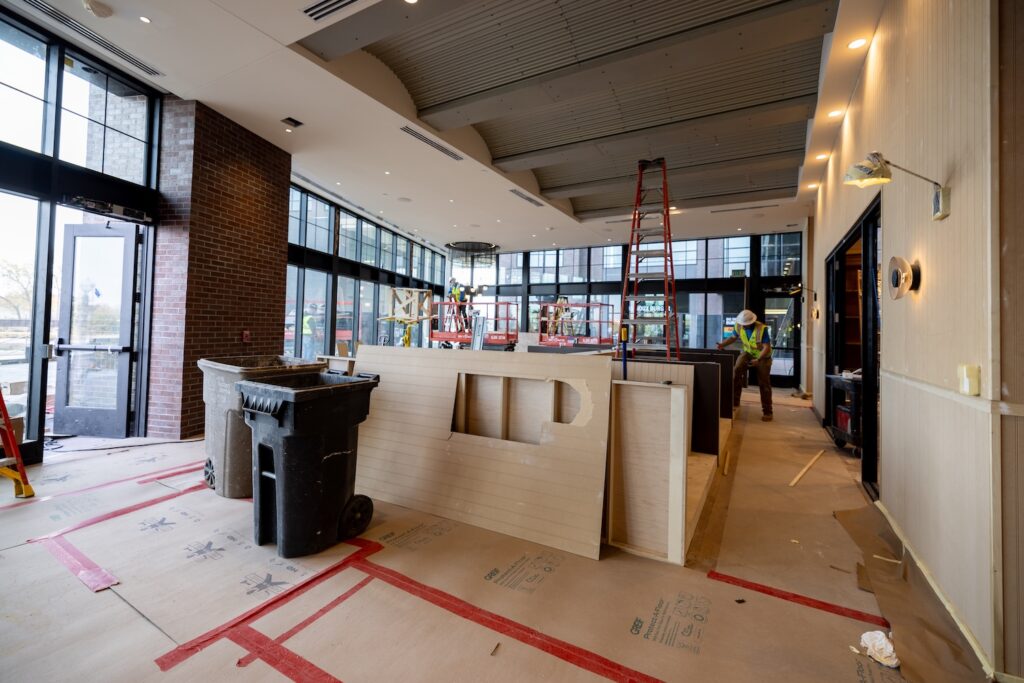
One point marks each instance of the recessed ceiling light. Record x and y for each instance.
(853, 44)
(287, 130)
(499, 220)
(821, 157)
(411, 2)
(554, 244)
(739, 229)
(812, 186)
(609, 239)
(381, 211)
(835, 113)
(387, 172)
(675, 212)
(145, 20)
(451, 201)
(671, 208)
(532, 235)
(338, 183)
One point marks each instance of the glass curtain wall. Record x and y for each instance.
(89, 130)
(17, 280)
(22, 88)
(347, 289)
(712, 279)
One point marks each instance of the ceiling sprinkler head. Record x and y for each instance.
(97, 9)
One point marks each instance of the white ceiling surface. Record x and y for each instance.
(233, 56)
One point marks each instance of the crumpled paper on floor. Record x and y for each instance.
(878, 646)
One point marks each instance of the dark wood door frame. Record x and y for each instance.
(866, 229)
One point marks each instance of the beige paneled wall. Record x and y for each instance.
(924, 101)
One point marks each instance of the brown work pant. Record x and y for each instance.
(764, 380)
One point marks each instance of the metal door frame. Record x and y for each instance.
(113, 422)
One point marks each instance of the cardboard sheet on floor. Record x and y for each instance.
(665, 621)
(66, 474)
(55, 629)
(17, 525)
(189, 564)
(926, 639)
(786, 537)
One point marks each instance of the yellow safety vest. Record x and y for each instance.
(306, 329)
(750, 342)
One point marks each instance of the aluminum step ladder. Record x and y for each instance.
(649, 286)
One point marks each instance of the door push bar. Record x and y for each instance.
(60, 348)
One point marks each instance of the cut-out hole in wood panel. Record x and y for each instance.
(511, 408)
(566, 403)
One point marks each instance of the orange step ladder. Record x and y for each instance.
(649, 319)
(12, 456)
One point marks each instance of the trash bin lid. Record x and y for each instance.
(265, 362)
(307, 387)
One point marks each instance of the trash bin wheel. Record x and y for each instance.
(208, 473)
(355, 517)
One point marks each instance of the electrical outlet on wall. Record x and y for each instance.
(246, 336)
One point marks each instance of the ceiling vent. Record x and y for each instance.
(319, 11)
(525, 197)
(447, 151)
(90, 35)
(744, 208)
(291, 122)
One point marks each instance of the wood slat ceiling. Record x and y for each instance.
(483, 48)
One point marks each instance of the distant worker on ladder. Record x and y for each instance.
(457, 294)
(756, 342)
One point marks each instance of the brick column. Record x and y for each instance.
(221, 256)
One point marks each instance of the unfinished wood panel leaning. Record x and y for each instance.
(549, 492)
(647, 475)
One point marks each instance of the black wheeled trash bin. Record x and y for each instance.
(304, 435)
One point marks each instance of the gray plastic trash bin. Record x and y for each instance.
(228, 438)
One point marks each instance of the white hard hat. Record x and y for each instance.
(746, 317)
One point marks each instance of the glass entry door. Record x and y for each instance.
(782, 315)
(94, 347)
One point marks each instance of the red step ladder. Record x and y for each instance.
(12, 456)
(649, 312)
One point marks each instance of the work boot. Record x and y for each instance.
(767, 417)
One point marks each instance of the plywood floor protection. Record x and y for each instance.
(417, 598)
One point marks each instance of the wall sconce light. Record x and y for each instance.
(875, 170)
(904, 277)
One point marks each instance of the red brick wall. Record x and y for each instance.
(221, 255)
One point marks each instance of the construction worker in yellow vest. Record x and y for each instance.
(756, 352)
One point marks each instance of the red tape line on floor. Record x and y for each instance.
(87, 571)
(192, 465)
(248, 659)
(118, 513)
(281, 658)
(584, 659)
(801, 599)
(196, 645)
(168, 475)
